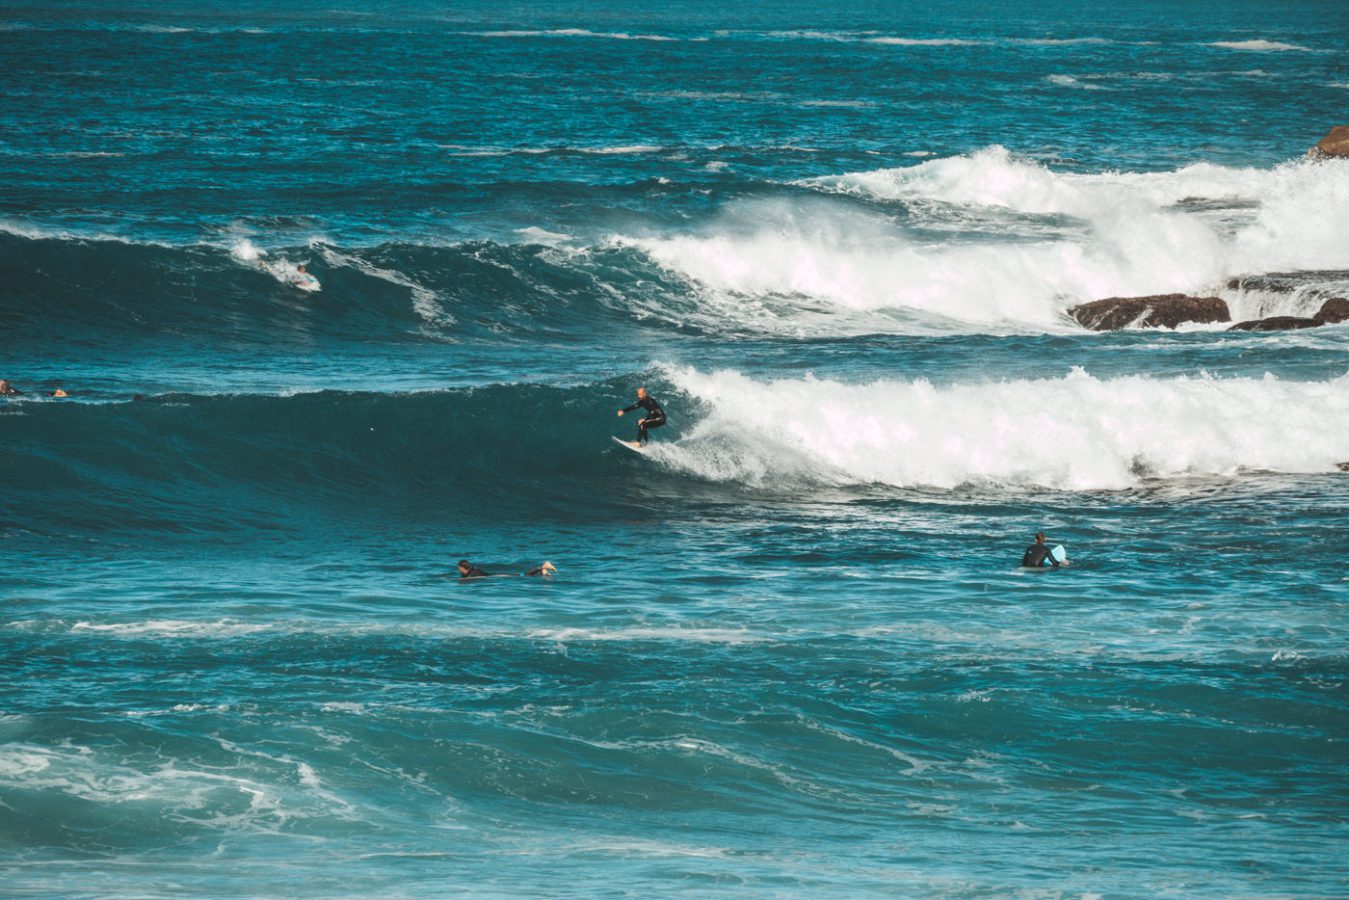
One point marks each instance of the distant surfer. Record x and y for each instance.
(654, 418)
(1038, 553)
(9, 390)
(304, 280)
(468, 570)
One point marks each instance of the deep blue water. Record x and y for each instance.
(789, 650)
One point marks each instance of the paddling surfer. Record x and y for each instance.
(468, 570)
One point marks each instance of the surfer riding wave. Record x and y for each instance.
(654, 418)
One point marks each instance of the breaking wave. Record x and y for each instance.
(179, 462)
(1077, 432)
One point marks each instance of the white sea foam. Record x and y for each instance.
(1057, 42)
(689, 635)
(922, 42)
(463, 150)
(173, 628)
(1047, 240)
(1070, 82)
(1260, 46)
(573, 32)
(871, 37)
(245, 250)
(536, 235)
(840, 104)
(182, 792)
(1081, 432)
(809, 35)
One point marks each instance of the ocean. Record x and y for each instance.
(789, 649)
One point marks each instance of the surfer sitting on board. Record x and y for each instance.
(1038, 553)
(654, 418)
(468, 570)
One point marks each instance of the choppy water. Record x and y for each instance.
(787, 652)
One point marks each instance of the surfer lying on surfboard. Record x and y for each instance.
(468, 570)
(654, 418)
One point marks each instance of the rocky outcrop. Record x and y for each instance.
(1336, 309)
(1163, 310)
(1335, 144)
(1275, 323)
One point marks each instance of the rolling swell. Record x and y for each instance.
(210, 464)
(518, 452)
(65, 288)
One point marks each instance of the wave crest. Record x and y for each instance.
(1078, 432)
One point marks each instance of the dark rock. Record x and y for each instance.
(1275, 323)
(1336, 309)
(1336, 143)
(1166, 310)
(1343, 467)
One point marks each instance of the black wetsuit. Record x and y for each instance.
(474, 572)
(655, 416)
(1036, 554)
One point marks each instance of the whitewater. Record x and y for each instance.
(789, 649)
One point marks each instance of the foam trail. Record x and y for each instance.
(1076, 432)
(1262, 46)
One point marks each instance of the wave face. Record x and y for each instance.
(392, 293)
(195, 464)
(216, 464)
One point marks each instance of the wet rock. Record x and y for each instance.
(1164, 310)
(1334, 144)
(1275, 323)
(1336, 309)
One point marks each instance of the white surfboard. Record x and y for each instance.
(629, 444)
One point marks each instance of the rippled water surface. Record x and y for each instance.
(789, 649)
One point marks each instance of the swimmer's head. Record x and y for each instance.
(1039, 537)
(641, 393)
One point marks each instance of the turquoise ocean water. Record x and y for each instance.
(789, 651)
